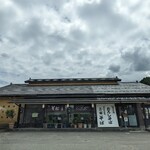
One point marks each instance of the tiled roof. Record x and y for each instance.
(71, 80)
(121, 88)
(16, 89)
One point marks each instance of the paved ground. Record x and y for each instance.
(74, 140)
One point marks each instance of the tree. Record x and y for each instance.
(146, 80)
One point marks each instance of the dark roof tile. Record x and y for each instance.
(121, 88)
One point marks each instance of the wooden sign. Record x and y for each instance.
(55, 108)
(83, 108)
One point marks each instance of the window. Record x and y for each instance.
(127, 115)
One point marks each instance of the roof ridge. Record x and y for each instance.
(11, 84)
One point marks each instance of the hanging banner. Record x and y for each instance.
(106, 115)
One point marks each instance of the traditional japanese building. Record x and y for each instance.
(76, 103)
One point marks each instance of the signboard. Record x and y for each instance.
(106, 115)
(55, 108)
(82, 108)
(34, 115)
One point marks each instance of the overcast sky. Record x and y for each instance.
(74, 38)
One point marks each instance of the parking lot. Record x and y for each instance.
(43, 140)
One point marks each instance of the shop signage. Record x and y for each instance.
(84, 108)
(34, 115)
(56, 107)
(106, 115)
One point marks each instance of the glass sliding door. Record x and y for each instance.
(147, 115)
(127, 115)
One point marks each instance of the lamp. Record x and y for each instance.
(67, 105)
(92, 105)
(43, 106)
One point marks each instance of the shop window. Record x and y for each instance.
(61, 116)
(131, 110)
(56, 116)
(127, 115)
(81, 116)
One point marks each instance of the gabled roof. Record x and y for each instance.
(120, 88)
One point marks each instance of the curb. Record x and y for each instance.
(77, 130)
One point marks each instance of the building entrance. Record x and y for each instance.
(147, 115)
(33, 116)
(127, 115)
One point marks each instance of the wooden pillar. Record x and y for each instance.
(18, 118)
(22, 113)
(140, 116)
(94, 115)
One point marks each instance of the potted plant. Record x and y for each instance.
(65, 122)
(85, 123)
(55, 122)
(10, 114)
(89, 121)
(75, 122)
(79, 121)
(44, 123)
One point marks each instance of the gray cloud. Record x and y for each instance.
(57, 4)
(6, 18)
(61, 38)
(138, 59)
(114, 68)
(105, 17)
(3, 82)
(32, 30)
(4, 55)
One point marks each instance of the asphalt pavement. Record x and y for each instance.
(46, 140)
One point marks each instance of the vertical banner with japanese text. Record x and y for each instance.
(106, 115)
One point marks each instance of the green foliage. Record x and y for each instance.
(89, 118)
(75, 120)
(10, 113)
(79, 118)
(146, 80)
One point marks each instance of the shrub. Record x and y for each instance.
(10, 113)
